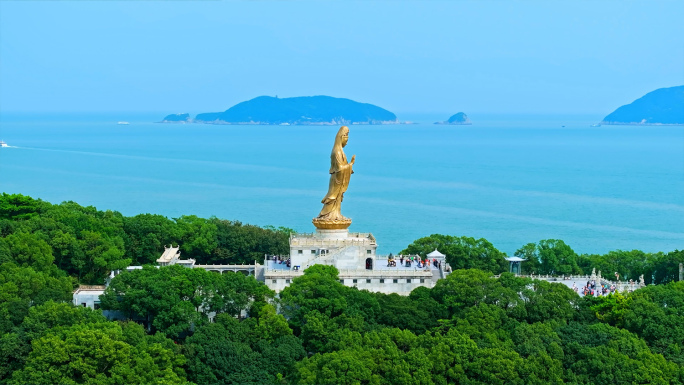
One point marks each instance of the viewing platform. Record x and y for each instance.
(319, 239)
(578, 282)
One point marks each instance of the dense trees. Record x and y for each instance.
(653, 313)
(470, 328)
(607, 355)
(461, 252)
(628, 264)
(63, 344)
(101, 353)
(23, 287)
(174, 299)
(46, 250)
(257, 350)
(146, 235)
(663, 268)
(319, 290)
(88, 244)
(496, 331)
(550, 256)
(28, 277)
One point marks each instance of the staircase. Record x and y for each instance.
(326, 259)
(436, 275)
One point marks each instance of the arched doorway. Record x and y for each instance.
(369, 264)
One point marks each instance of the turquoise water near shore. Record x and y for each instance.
(511, 180)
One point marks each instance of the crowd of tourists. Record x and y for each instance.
(280, 260)
(410, 260)
(594, 289)
(407, 261)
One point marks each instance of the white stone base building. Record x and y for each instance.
(354, 255)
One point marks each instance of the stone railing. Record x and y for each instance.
(329, 242)
(389, 273)
(623, 286)
(399, 256)
(230, 267)
(352, 273)
(89, 287)
(313, 239)
(620, 286)
(92, 287)
(282, 273)
(556, 277)
(350, 235)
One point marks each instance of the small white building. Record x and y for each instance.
(88, 296)
(515, 264)
(438, 257)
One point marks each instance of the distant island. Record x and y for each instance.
(313, 110)
(177, 118)
(664, 106)
(459, 118)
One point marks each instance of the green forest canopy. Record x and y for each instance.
(192, 326)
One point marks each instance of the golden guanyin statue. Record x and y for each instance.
(330, 216)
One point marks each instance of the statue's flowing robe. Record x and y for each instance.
(340, 172)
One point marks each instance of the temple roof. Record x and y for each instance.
(170, 253)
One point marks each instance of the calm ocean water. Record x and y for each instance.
(511, 180)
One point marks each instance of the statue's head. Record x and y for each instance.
(342, 136)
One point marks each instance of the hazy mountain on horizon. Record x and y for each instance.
(662, 106)
(459, 118)
(296, 110)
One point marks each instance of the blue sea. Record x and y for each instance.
(509, 179)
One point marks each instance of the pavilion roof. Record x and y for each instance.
(515, 259)
(436, 254)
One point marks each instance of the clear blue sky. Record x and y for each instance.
(406, 56)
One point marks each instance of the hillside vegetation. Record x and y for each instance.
(470, 328)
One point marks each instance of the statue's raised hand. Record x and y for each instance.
(353, 159)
